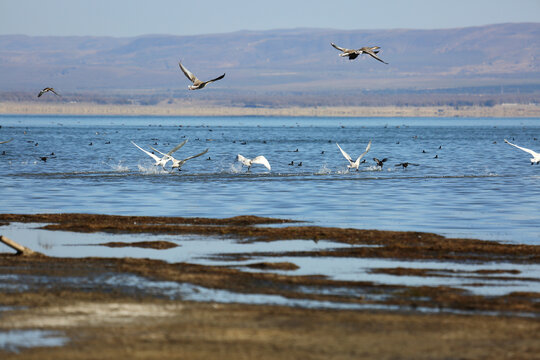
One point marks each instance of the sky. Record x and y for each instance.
(124, 18)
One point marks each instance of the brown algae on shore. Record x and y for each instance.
(159, 245)
(368, 244)
(391, 244)
(129, 305)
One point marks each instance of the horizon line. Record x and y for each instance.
(278, 29)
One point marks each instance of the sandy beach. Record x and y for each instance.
(504, 110)
(100, 320)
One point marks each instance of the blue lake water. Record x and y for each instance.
(478, 186)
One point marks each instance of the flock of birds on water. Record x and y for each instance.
(197, 84)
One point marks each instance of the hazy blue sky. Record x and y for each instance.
(178, 17)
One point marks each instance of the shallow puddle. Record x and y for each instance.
(360, 269)
(231, 252)
(204, 250)
(15, 340)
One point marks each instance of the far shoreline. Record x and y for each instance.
(497, 111)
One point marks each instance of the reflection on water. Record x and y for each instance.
(15, 340)
(220, 251)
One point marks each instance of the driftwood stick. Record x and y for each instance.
(21, 250)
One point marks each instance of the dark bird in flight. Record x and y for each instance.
(405, 164)
(353, 53)
(380, 162)
(47, 89)
(197, 84)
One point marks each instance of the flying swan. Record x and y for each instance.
(177, 164)
(258, 160)
(354, 164)
(535, 156)
(161, 161)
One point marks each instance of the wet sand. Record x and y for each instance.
(104, 321)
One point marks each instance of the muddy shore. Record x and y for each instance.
(504, 110)
(104, 319)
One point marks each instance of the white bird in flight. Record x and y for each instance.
(161, 161)
(197, 84)
(258, 160)
(535, 156)
(177, 164)
(354, 164)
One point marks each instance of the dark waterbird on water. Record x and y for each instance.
(197, 84)
(353, 53)
(405, 164)
(47, 89)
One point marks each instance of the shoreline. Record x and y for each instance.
(122, 307)
(497, 111)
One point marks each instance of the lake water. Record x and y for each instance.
(477, 186)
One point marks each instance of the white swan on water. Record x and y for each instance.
(535, 156)
(161, 161)
(258, 160)
(354, 164)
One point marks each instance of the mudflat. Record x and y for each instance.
(503, 110)
(102, 319)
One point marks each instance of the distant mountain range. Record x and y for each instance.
(277, 61)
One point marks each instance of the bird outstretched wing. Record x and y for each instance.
(364, 153)
(188, 73)
(533, 153)
(194, 156)
(216, 79)
(153, 156)
(261, 160)
(174, 149)
(54, 92)
(339, 47)
(344, 153)
(371, 53)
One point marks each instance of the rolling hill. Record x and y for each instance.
(279, 62)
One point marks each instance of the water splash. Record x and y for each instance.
(119, 167)
(235, 168)
(151, 169)
(324, 170)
